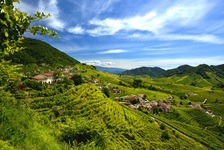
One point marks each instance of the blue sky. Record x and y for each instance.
(134, 33)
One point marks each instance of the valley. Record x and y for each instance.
(83, 108)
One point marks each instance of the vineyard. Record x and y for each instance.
(87, 119)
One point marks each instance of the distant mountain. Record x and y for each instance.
(110, 70)
(152, 72)
(39, 52)
(200, 70)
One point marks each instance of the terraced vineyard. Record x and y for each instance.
(87, 119)
(195, 124)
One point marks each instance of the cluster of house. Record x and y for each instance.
(141, 102)
(133, 101)
(49, 77)
(198, 106)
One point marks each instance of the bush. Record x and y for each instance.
(162, 126)
(77, 79)
(165, 135)
(106, 91)
(84, 133)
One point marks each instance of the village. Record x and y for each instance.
(137, 102)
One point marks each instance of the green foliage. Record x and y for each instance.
(87, 119)
(35, 85)
(5, 145)
(137, 83)
(165, 135)
(106, 91)
(83, 133)
(152, 72)
(22, 128)
(77, 79)
(9, 77)
(15, 23)
(162, 126)
(38, 52)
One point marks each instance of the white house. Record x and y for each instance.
(45, 78)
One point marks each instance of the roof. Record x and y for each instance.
(48, 74)
(40, 77)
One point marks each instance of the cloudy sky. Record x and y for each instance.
(134, 33)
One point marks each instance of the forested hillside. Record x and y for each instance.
(200, 70)
(152, 72)
(39, 52)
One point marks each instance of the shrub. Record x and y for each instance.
(165, 135)
(106, 91)
(162, 126)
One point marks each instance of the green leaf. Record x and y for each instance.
(4, 22)
(16, 1)
(6, 34)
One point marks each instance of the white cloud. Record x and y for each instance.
(76, 30)
(181, 13)
(105, 27)
(166, 63)
(25, 7)
(159, 24)
(112, 51)
(98, 63)
(206, 38)
(70, 47)
(51, 7)
(46, 6)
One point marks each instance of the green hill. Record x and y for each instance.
(152, 72)
(86, 118)
(183, 70)
(201, 76)
(39, 52)
(200, 70)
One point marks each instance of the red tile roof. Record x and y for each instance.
(40, 77)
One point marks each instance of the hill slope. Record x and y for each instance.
(202, 75)
(39, 52)
(183, 70)
(84, 115)
(152, 72)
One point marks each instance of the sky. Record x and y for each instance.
(134, 33)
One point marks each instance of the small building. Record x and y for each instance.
(45, 78)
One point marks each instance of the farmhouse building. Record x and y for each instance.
(45, 78)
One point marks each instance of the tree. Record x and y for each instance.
(165, 135)
(162, 126)
(77, 79)
(13, 24)
(106, 91)
(137, 83)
